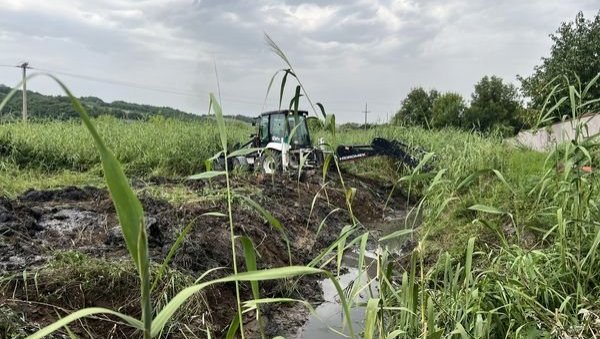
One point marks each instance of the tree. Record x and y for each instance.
(493, 105)
(447, 110)
(416, 107)
(575, 53)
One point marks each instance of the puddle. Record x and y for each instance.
(330, 313)
(68, 220)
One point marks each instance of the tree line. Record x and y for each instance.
(58, 107)
(496, 105)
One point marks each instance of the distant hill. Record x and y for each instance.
(51, 107)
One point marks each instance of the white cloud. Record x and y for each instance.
(304, 17)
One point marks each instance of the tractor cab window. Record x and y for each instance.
(264, 130)
(278, 127)
(300, 137)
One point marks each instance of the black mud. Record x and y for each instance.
(38, 224)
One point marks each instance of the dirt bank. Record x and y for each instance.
(39, 224)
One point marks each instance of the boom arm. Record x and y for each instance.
(379, 147)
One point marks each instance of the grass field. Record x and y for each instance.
(159, 147)
(55, 153)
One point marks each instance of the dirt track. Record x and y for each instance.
(37, 224)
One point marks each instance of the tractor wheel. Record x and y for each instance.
(239, 164)
(218, 164)
(269, 162)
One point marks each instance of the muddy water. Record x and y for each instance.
(329, 316)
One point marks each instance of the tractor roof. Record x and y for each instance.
(285, 111)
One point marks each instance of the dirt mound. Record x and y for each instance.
(36, 225)
(70, 193)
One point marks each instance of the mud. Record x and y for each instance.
(39, 224)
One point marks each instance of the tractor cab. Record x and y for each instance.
(276, 126)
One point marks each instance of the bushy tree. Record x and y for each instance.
(575, 53)
(493, 104)
(416, 107)
(448, 110)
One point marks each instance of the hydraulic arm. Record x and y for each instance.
(379, 147)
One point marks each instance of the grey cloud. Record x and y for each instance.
(347, 52)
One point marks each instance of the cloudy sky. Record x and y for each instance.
(346, 52)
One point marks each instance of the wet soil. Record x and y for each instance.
(38, 224)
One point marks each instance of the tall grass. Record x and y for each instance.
(536, 277)
(158, 147)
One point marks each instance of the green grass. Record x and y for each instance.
(459, 154)
(158, 147)
(14, 181)
(532, 269)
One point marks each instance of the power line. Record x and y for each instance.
(130, 84)
(139, 86)
(117, 82)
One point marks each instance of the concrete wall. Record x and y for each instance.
(544, 138)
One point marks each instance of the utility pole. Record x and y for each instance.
(24, 66)
(366, 111)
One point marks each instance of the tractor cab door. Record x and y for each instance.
(263, 131)
(278, 128)
(300, 138)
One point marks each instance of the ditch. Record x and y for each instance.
(39, 224)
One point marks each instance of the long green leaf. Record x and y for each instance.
(469, 261)
(86, 312)
(326, 165)
(589, 85)
(271, 219)
(269, 87)
(396, 234)
(371, 317)
(233, 327)
(335, 210)
(244, 151)
(206, 175)
(176, 245)
(250, 258)
(128, 207)
(220, 121)
(486, 209)
(282, 88)
(470, 178)
(270, 274)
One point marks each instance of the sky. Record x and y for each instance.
(347, 53)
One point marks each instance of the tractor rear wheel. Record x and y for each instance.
(269, 162)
